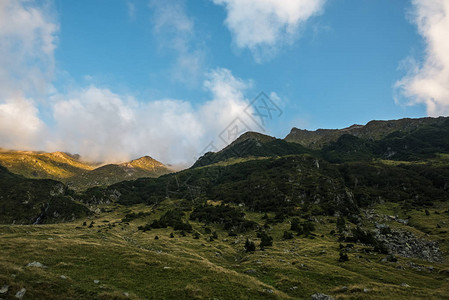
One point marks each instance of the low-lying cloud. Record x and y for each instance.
(263, 26)
(427, 81)
(95, 122)
(104, 126)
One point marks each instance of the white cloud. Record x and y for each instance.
(27, 43)
(95, 122)
(101, 125)
(175, 31)
(28, 40)
(427, 82)
(264, 25)
(131, 6)
(20, 125)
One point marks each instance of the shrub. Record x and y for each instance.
(341, 224)
(250, 246)
(265, 240)
(226, 216)
(287, 235)
(343, 257)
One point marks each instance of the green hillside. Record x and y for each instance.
(374, 130)
(360, 218)
(33, 201)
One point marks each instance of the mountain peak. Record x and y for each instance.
(251, 135)
(145, 163)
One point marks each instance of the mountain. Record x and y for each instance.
(360, 217)
(32, 164)
(405, 139)
(113, 173)
(36, 201)
(373, 130)
(76, 173)
(412, 143)
(250, 145)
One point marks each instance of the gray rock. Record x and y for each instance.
(319, 296)
(96, 281)
(35, 264)
(21, 293)
(250, 271)
(404, 284)
(4, 289)
(126, 294)
(406, 244)
(63, 277)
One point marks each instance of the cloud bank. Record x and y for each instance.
(96, 122)
(27, 43)
(102, 125)
(263, 26)
(427, 81)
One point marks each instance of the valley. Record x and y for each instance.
(264, 218)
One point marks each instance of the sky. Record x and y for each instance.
(114, 80)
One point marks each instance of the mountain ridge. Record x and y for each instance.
(77, 173)
(375, 129)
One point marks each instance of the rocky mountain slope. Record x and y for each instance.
(373, 130)
(251, 144)
(36, 201)
(76, 173)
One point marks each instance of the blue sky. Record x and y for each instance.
(117, 79)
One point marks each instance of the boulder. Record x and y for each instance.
(319, 296)
(21, 293)
(35, 264)
(4, 289)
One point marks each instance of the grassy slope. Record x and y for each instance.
(79, 175)
(127, 260)
(23, 200)
(57, 165)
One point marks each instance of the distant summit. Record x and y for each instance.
(144, 163)
(73, 171)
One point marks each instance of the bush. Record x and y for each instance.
(341, 224)
(343, 257)
(265, 240)
(172, 218)
(250, 246)
(287, 235)
(226, 216)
